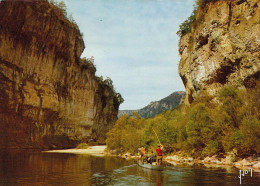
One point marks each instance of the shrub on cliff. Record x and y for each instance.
(118, 99)
(61, 6)
(186, 26)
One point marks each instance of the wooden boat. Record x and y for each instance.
(150, 166)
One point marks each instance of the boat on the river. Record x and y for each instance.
(150, 166)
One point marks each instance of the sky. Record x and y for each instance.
(133, 42)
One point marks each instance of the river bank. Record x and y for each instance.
(177, 159)
(27, 168)
(242, 164)
(210, 162)
(100, 150)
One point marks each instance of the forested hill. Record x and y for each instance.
(156, 107)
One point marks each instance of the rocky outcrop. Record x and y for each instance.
(214, 161)
(223, 47)
(157, 107)
(48, 96)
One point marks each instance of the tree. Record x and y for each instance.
(108, 81)
(126, 134)
(71, 19)
(62, 6)
(185, 27)
(231, 103)
(199, 127)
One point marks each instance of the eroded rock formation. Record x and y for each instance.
(223, 47)
(48, 96)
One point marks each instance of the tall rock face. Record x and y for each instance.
(48, 96)
(223, 47)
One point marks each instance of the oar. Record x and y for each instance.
(156, 135)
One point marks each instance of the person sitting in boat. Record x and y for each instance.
(159, 154)
(142, 152)
(151, 157)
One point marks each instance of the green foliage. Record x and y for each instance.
(250, 129)
(82, 146)
(204, 128)
(166, 127)
(71, 19)
(126, 135)
(108, 81)
(88, 63)
(119, 97)
(198, 126)
(212, 147)
(231, 105)
(186, 26)
(62, 7)
(193, 20)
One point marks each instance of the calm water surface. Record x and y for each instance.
(71, 169)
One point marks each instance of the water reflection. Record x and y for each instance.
(19, 168)
(44, 168)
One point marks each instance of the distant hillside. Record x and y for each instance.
(156, 107)
(129, 112)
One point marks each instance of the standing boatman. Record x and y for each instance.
(159, 154)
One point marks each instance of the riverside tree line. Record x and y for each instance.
(209, 126)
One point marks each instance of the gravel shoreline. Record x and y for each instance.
(210, 162)
(90, 150)
(242, 164)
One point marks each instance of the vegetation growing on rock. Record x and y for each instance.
(186, 26)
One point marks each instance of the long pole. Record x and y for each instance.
(156, 135)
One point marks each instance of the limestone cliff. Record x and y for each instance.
(48, 96)
(223, 47)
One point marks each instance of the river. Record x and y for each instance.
(36, 168)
